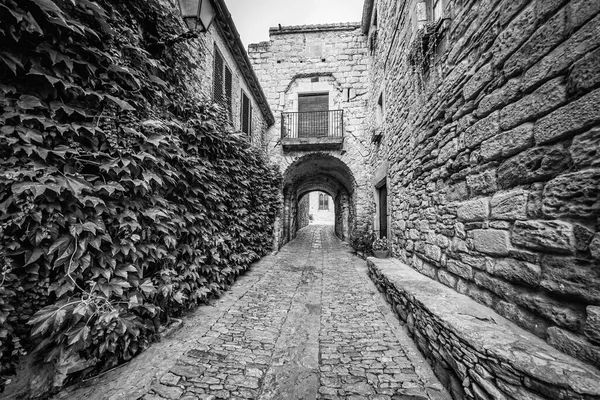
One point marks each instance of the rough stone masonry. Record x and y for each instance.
(492, 154)
(483, 120)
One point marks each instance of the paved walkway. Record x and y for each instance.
(305, 323)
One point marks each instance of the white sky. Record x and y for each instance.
(253, 18)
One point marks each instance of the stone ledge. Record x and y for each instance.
(318, 143)
(473, 348)
(344, 26)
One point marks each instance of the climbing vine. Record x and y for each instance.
(422, 50)
(124, 200)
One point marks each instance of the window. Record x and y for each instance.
(313, 115)
(222, 81)
(246, 114)
(323, 201)
(429, 11)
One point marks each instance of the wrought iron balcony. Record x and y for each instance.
(312, 130)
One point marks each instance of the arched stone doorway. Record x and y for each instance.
(319, 172)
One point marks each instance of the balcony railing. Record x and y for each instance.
(312, 124)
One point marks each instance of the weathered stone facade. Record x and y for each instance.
(328, 59)
(491, 147)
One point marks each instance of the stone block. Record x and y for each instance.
(577, 45)
(482, 130)
(517, 391)
(510, 205)
(482, 183)
(585, 74)
(573, 117)
(432, 252)
(499, 97)
(424, 267)
(583, 236)
(572, 277)
(548, 36)
(519, 29)
(458, 191)
(591, 328)
(460, 268)
(478, 81)
(447, 278)
(481, 295)
(581, 11)
(549, 96)
(554, 236)
(574, 345)
(523, 318)
(518, 271)
(473, 210)
(498, 286)
(508, 143)
(585, 149)
(553, 310)
(536, 164)
(595, 246)
(448, 151)
(573, 195)
(491, 241)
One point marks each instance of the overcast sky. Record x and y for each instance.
(253, 18)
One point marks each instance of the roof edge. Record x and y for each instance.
(344, 26)
(235, 45)
(366, 17)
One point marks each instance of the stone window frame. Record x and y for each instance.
(323, 202)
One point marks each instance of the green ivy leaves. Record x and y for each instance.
(114, 214)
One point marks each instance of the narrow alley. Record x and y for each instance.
(304, 323)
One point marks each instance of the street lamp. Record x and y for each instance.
(197, 14)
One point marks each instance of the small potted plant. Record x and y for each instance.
(381, 248)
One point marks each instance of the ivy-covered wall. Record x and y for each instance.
(124, 198)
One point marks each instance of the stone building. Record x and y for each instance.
(471, 139)
(315, 80)
(488, 144)
(221, 72)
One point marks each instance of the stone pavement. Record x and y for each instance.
(304, 323)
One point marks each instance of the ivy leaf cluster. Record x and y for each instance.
(124, 200)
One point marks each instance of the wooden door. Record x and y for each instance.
(383, 220)
(313, 117)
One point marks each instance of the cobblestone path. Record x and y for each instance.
(305, 323)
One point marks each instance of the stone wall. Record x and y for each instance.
(491, 145)
(476, 353)
(319, 58)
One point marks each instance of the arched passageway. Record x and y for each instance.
(324, 173)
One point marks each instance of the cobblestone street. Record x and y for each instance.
(304, 323)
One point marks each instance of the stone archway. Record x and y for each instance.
(319, 172)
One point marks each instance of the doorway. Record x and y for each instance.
(313, 114)
(382, 196)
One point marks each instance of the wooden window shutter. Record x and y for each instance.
(228, 89)
(218, 77)
(246, 114)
